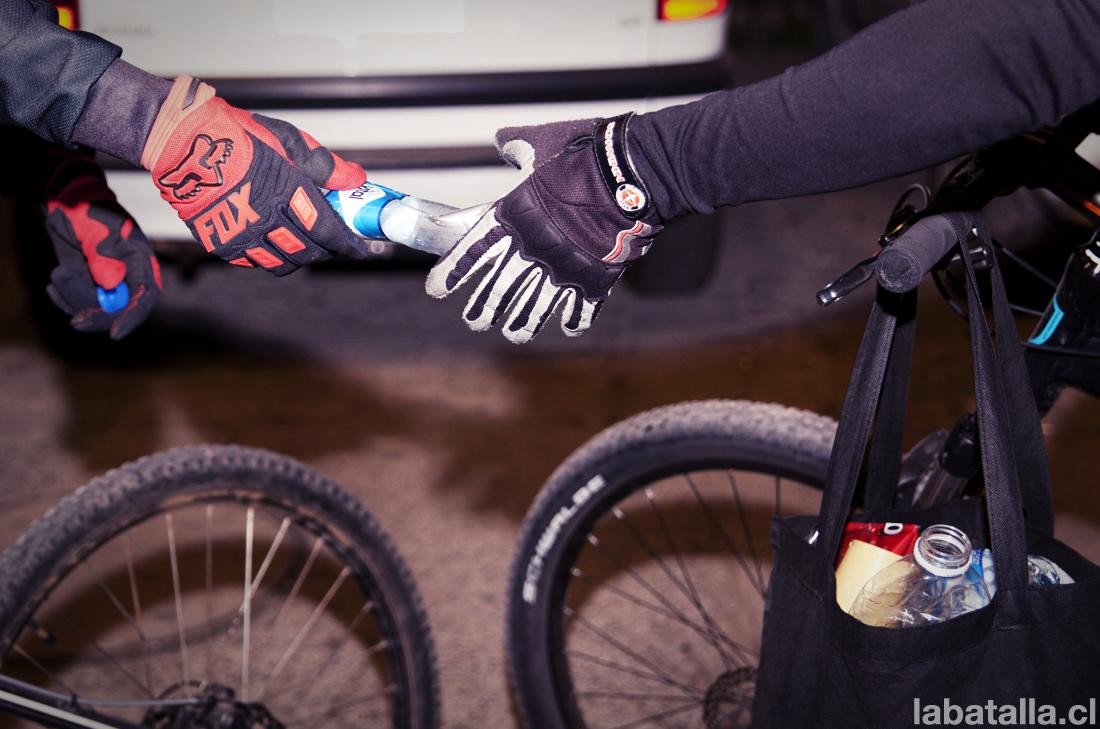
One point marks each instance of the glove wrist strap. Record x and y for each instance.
(619, 176)
(187, 95)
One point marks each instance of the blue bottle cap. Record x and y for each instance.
(114, 300)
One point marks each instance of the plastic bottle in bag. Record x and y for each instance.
(937, 582)
(1041, 572)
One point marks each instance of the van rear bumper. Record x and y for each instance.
(476, 88)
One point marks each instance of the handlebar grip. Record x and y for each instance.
(903, 265)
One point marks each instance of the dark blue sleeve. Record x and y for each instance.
(923, 86)
(45, 70)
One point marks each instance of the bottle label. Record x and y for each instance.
(361, 208)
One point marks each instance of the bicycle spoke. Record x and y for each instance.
(628, 696)
(179, 601)
(95, 645)
(113, 599)
(727, 541)
(105, 654)
(313, 681)
(659, 610)
(261, 572)
(692, 594)
(45, 671)
(613, 556)
(249, 526)
(317, 611)
(664, 596)
(135, 601)
(605, 663)
(626, 651)
(268, 559)
(748, 532)
(298, 582)
(659, 715)
(118, 619)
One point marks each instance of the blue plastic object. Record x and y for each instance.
(367, 220)
(113, 300)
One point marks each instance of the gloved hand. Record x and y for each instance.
(247, 185)
(562, 238)
(97, 244)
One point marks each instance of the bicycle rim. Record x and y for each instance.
(702, 538)
(224, 600)
(650, 600)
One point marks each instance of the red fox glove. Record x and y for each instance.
(247, 185)
(97, 244)
(561, 239)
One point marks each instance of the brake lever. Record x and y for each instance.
(848, 282)
(863, 271)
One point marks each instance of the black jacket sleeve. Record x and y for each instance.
(923, 86)
(45, 70)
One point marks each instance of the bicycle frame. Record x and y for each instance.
(1066, 161)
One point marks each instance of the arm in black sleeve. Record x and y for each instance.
(45, 70)
(922, 86)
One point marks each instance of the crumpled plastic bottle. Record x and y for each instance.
(1041, 571)
(937, 582)
(377, 212)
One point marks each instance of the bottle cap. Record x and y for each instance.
(943, 550)
(113, 300)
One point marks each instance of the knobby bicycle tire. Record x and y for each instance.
(60, 541)
(620, 461)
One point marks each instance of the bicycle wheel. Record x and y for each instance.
(636, 594)
(218, 586)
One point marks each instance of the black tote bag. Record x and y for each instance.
(1031, 656)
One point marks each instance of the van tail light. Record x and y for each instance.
(68, 14)
(689, 9)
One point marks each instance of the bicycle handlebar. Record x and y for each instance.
(377, 212)
(903, 265)
(415, 223)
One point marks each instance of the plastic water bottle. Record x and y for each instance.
(1041, 572)
(379, 213)
(937, 582)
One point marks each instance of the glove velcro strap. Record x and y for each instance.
(613, 160)
(187, 95)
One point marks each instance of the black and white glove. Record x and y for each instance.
(562, 238)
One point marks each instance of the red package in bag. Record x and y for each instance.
(892, 536)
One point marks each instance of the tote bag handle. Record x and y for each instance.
(1001, 440)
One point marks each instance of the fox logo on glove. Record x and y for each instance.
(227, 219)
(200, 168)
